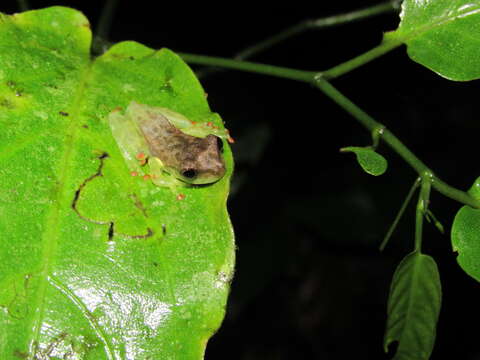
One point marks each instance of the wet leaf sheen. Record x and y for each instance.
(95, 263)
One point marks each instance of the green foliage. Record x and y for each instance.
(96, 263)
(442, 35)
(413, 307)
(466, 236)
(372, 162)
(466, 240)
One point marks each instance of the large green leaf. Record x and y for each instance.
(466, 235)
(95, 263)
(466, 240)
(413, 307)
(443, 35)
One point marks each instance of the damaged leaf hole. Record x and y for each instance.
(111, 225)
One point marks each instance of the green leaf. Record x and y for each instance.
(413, 307)
(465, 235)
(466, 240)
(443, 35)
(372, 162)
(95, 263)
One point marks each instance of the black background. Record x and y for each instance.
(310, 282)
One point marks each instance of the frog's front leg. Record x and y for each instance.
(161, 177)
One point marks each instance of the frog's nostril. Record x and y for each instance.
(189, 173)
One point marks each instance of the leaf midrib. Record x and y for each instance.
(51, 234)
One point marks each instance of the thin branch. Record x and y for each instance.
(318, 79)
(105, 22)
(311, 24)
(278, 71)
(360, 60)
(102, 30)
(400, 213)
(320, 23)
(390, 139)
(422, 207)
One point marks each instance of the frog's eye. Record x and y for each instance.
(219, 145)
(189, 173)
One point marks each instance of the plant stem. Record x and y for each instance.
(318, 80)
(271, 41)
(422, 207)
(389, 138)
(303, 26)
(289, 73)
(105, 21)
(278, 71)
(362, 59)
(315, 24)
(100, 43)
(400, 213)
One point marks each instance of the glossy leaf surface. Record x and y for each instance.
(372, 162)
(413, 307)
(465, 235)
(466, 240)
(95, 263)
(443, 35)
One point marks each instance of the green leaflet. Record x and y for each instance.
(465, 240)
(413, 307)
(465, 235)
(94, 262)
(372, 162)
(443, 35)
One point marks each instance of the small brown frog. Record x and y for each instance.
(176, 150)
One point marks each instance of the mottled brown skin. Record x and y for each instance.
(192, 159)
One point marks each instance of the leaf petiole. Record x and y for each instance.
(422, 207)
(431, 218)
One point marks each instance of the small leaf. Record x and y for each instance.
(372, 162)
(413, 307)
(443, 35)
(466, 240)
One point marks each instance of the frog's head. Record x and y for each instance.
(200, 162)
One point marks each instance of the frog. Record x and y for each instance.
(165, 146)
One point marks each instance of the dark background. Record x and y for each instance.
(310, 282)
